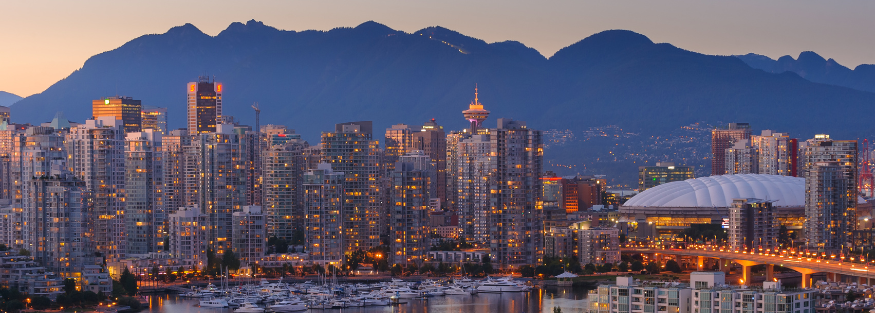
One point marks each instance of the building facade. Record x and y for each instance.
(662, 173)
(324, 199)
(830, 171)
(753, 223)
(248, 233)
(145, 211)
(126, 109)
(725, 138)
(189, 236)
(204, 105)
(598, 245)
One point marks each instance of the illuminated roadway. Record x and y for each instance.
(804, 265)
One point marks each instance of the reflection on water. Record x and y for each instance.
(538, 300)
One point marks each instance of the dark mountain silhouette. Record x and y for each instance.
(7, 99)
(310, 80)
(813, 67)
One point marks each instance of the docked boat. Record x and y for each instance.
(288, 306)
(456, 290)
(213, 303)
(249, 307)
(500, 285)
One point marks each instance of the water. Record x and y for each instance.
(570, 300)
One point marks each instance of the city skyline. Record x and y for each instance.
(779, 27)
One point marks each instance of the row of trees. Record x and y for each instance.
(553, 266)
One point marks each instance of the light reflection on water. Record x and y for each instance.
(538, 300)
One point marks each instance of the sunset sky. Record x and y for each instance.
(42, 42)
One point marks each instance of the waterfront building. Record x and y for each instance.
(126, 109)
(830, 171)
(204, 105)
(558, 242)
(662, 173)
(711, 294)
(351, 149)
(96, 152)
(189, 236)
(725, 138)
(248, 235)
(629, 296)
(412, 186)
(324, 197)
(144, 186)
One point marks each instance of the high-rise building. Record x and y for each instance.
(145, 210)
(663, 172)
(453, 170)
(126, 109)
(250, 239)
(432, 140)
(474, 169)
(204, 105)
(753, 223)
(830, 192)
(189, 236)
(777, 153)
(174, 145)
(515, 218)
(31, 156)
(155, 118)
(741, 158)
(399, 141)
(551, 197)
(412, 187)
(96, 152)
(351, 149)
(581, 193)
(5, 115)
(283, 174)
(725, 138)
(324, 199)
(217, 172)
(249, 154)
(59, 220)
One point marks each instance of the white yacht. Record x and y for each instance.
(214, 303)
(288, 306)
(456, 290)
(499, 285)
(249, 307)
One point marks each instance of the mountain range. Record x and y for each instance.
(7, 99)
(815, 68)
(310, 80)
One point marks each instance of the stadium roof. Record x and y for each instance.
(719, 191)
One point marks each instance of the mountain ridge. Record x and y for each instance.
(8, 98)
(815, 68)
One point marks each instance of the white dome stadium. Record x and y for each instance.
(719, 191)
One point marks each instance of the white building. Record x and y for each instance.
(627, 296)
(712, 295)
(323, 203)
(144, 185)
(188, 236)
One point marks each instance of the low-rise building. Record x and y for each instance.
(457, 256)
(712, 295)
(628, 296)
(559, 242)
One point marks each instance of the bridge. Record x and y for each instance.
(802, 264)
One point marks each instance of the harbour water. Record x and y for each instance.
(570, 300)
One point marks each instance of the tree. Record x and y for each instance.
(487, 264)
(589, 268)
(230, 260)
(90, 297)
(556, 309)
(396, 270)
(24, 252)
(128, 282)
(14, 306)
(673, 266)
(527, 271)
(3, 247)
(652, 267)
(41, 303)
(69, 285)
(425, 268)
(607, 267)
(637, 266)
(623, 267)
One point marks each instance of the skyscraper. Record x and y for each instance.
(283, 174)
(741, 158)
(725, 138)
(174, 145)
(145, 211)
(218, 181)
(96, 152)
(204, 105)
(351, 149)
(432, 140)
(126, 109)
(515, 216)
(189, 236)
(250, 240)
(777, 153)
(412, 187)
(155, 118)
(399, 141)
(324, 199)
(473, 173)
(830, 192)
(60, 221)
